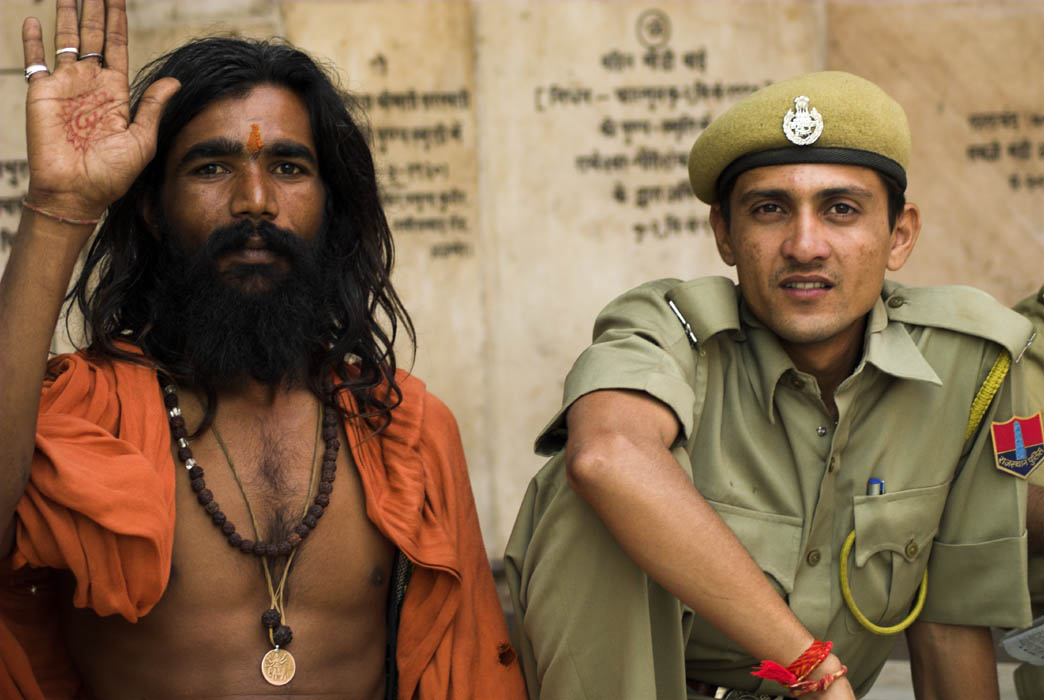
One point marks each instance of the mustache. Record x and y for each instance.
(226, 239)
(808, 269)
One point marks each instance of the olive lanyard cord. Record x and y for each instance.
(276, 594)
(978, 409)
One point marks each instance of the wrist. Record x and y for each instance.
(830, 665)
(67, 206)
(813, 671)
(821, 678)
(60, 215)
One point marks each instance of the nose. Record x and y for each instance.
(253, 195)
(807, 239)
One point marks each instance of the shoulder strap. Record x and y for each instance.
(704, 307)
(962, 309)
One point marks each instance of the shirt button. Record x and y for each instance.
(797, 382)
(896, 301)
(821, 431)
(911, 549)
(813, 557)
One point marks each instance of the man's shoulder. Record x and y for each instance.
(82, 372)
(1032, 307)
(434, 414)
(696, 308)
(421, 417)
(709, 290)
(964, 310)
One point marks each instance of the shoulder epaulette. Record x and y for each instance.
(1033, 307)
(962, 309)
(704, 307)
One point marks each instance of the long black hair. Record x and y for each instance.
(359, 300)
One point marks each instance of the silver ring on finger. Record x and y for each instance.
(32, 70)
(67, 49)
(93, 54)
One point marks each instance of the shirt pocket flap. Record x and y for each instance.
(904, 522)
(773, 540)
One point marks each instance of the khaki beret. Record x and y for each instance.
(828, 117)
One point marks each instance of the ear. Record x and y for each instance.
(904, 236)
(721, 235)
(149, 213)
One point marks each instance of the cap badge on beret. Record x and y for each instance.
(800, 125)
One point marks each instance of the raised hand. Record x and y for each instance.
(83, 150)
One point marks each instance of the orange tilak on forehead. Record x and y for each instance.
(254, 143)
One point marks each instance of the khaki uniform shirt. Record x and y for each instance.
(761, 447)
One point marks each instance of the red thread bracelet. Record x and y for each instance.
(802, 687)
(62, 219)
(797, 671)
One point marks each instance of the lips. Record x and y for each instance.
(255, 242)
(806, 287)
(261, 255)
(254, 250)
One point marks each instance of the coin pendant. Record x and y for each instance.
(278, 667)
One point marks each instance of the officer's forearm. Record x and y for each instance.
(952, 661)
(650, 505)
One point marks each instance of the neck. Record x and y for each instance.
(253, 398)
(830, 361)
(262, 394)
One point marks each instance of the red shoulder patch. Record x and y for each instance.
(1018, 444)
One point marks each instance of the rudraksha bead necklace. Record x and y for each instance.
(277, 666)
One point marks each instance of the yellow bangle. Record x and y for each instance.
(56, 217)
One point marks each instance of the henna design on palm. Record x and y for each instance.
(81, 116)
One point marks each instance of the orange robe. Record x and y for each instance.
(100, 502)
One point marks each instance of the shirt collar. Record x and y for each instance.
(770, 361)
(889, 347)
(886, 345)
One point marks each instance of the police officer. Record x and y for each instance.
(752, 472)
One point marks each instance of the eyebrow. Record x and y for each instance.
(850, 191)
(751, 195)
(224, 147)
(212, 148)
(283, 148)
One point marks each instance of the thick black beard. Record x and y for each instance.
(253, 322)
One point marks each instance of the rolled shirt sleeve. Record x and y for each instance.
(638, 345)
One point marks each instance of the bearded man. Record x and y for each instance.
(229, 488)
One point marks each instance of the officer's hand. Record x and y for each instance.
(84, 152)
(840, 689)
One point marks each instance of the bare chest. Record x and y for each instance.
(208, 623)
(266, 489)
